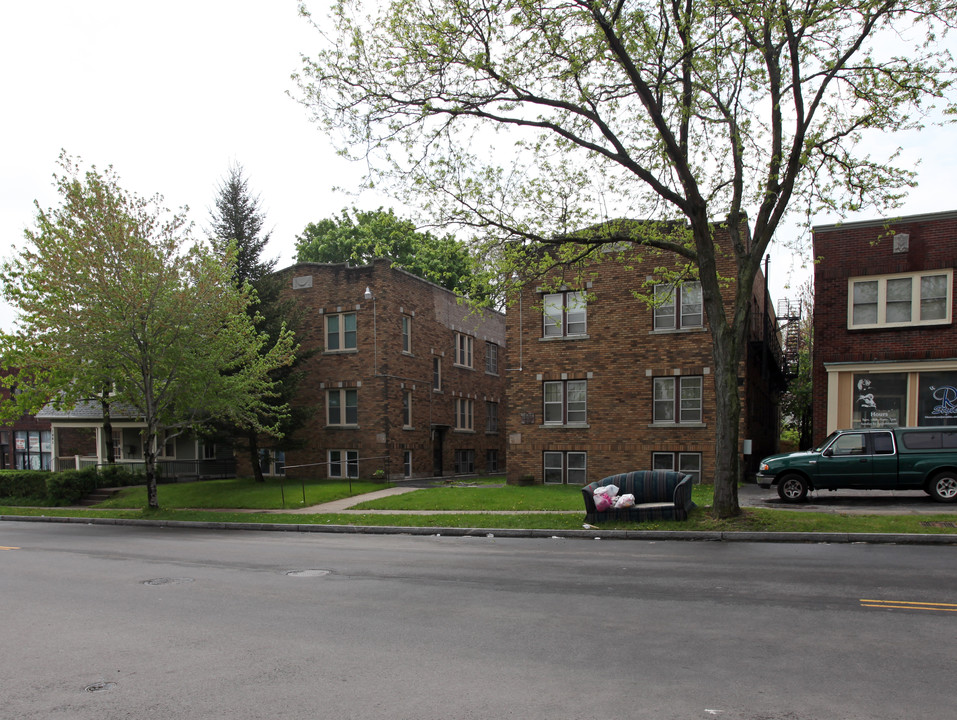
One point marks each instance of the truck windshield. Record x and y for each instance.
(820, 448)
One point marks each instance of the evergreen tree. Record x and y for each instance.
(238, 217)
(237, 220)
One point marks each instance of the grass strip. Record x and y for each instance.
(751, 520)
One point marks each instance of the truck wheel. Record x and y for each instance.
(943, 487)
(792, 488)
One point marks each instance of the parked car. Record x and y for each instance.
(922, 458)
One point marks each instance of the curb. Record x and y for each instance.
(594, 534)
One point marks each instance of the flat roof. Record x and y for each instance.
(882, 222)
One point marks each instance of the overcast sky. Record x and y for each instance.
(172, 93)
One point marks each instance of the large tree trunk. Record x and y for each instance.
(107, 428)
(727, 418)
(254, 456)
(149, 457)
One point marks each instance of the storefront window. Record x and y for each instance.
(880, 400)
(937, 398)
(32, 449)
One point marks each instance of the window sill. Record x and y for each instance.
(677, 331)
(463, 367)
(557, 338)
(677, 425)
(566, 426)
(900, 326)
(347, 351)
(463, 431)
(342, 427)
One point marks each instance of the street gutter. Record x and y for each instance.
(590, 534)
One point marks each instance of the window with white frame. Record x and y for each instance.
(687, 463)
(900, 300)
(564, 314)
(463, 349)
(677, 399)
(342, 407)
(565, 467)
(272, 462)
(340, 332)
(491, 358)
(117, 440)
(437, 374)
(565, 401)
(491, 417)
(464, 411)
(343, 463)
(209, 450)
(407, 333)
(678, 306)
(407, 408)
(464, 461)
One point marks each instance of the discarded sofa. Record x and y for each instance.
(659, 495)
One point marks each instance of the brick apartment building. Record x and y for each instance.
(406, 379)
(885, 344)
(600, 382)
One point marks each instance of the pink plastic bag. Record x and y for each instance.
(602, 502)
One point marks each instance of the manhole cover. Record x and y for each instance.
(168, 581)
(307, 573)
(100, 686)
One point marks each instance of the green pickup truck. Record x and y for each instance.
(887, 459)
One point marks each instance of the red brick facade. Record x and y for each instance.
(382, 376)
(619, 357)
(893, 366)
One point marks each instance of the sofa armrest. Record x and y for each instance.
(588, 493)
(682, 494)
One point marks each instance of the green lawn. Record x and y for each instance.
(194, 502)
(242, 493)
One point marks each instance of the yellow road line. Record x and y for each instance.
(908, 605)
(8, 548)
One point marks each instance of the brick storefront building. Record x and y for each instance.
(406, 379)
(885, 344)
(600, 382)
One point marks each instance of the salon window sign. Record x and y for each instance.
(879, 400)
(937, 400)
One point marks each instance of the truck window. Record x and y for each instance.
(883, 443)
(921, 440)
(851, 444)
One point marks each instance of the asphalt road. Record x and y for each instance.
(136, 622)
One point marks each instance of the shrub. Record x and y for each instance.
(119, 476)
(23, 483)
(70, 486)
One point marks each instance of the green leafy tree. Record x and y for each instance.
(111, 291)
(236, 225)
(528, 120)
(360, 237)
